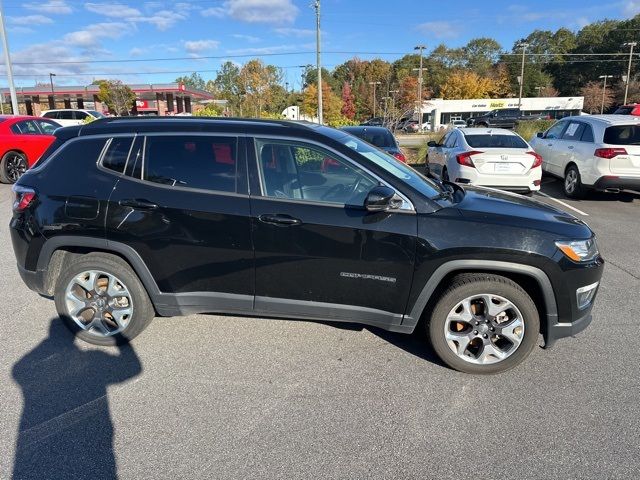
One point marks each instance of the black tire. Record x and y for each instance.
(143, 311)
(12, 166)
(445, 175)
(573, 189)
(467, 285)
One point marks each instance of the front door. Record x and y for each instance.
(318, 252)
(183, 206)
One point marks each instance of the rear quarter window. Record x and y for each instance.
(72, 153)
(622, 135)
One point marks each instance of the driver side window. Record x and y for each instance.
(301, 171)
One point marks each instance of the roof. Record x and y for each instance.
(607, 119)
(371, 128)
(486, 131)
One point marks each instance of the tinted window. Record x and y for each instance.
(573, 131)
(96, 114)
(77, 150)
(65, 115)
(26, 127)
(495, 141)
(622, 135)
(115, 158)
(47, 127)
(556, 130)
(80, 115)
(377, 137)
(134, 165)
(587, 134)
(192, 161)
(623, 111)
(306, 172)
(50, 115)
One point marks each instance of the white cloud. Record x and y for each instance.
(439, 29)
(631, 8)
(136, 52)
(199, 46)
(278, 12)
(118, 10)
(57, 7)
(269, 50)
(28, 20)
(295, 32)
(90, 36)
(246, 38)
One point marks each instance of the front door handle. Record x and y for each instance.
(138, 204)
(279, 219)
(570, 147)
(549, 144)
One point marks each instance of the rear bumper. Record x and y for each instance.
(33, 279)
(526, 182)
(607, 182)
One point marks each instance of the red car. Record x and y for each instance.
(23, 140)
(633, 109)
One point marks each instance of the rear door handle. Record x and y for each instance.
(279, 219)
(570, 147)
(549, 144)
(138, 204)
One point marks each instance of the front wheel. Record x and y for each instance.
(12, 166)
(101, 300)
(483, 324)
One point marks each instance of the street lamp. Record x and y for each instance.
(420, 48)
(52, 104)
(539, 89)
(524, 49)
(626, 88)
(604, 90)
(374, 96)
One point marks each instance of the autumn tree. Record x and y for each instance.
(259, 82)
(465, 84)
(548, 91)
(348, 107)
(117, 96)
(501, 82)
(594, 101)
(331, 103)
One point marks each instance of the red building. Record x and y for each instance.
(151, 99)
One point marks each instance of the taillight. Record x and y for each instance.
(24, 197)
(465, 158)
(609, 152)
(400, 156)
(538, 159)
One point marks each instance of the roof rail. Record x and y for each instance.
(149, 118)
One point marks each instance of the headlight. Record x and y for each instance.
(579, 250)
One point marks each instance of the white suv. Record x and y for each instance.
(68, 116)
(599, 152)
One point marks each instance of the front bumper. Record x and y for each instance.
(561, 330)
(615, 182)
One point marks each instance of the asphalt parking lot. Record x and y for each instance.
(218, 397)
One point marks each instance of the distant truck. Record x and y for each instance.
(503, 118)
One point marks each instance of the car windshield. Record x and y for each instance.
(378, 137)
(392, 166)
(622, 135)
(495, 141)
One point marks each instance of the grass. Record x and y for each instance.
(528, 129)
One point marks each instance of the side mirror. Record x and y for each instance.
(540, 134)
(380, 199)
(432, 143)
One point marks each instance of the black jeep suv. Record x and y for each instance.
(124, 219)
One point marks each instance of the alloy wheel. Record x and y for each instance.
(570, 181)
(99, 303)
(484, 329)
(15, 166)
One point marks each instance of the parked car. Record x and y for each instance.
(374, 122)
(378, 137)
(490, 157)
(600, 152)
(69, 117)
(23, 139)
(504, 118)
(135, 217)
(410, 126)
(633, 109)
(458, 124)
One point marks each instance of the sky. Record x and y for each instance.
(157, 41)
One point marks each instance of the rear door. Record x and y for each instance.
(182, 204)
(319, 253)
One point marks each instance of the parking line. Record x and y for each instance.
(563, 203)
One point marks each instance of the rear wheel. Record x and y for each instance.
(483, 324)
(12, 166)
(101, 300)
(572, 186)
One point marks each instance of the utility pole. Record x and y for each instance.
(318, 64)
(421, 49)
(626, 87)
(53, 93)
(7, 62)
(524, 49)
(604, 90)
(374, 96)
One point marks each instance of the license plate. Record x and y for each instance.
(502, 167)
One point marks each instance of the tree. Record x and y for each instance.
(501, 82)
(593, 99)
(194, 80)
(464, 84)
(117, 96)
(331, 103)
(258, 82)
(548, 91)
(348, 107)
(211, 110)
(481, 54)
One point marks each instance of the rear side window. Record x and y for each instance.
(65, 115)
(76, 151)
(80, 115)
(495, 141)
(573, 132)
(202, 162)
(622, 135)
(115, 157)
(587, 134)
(27, 127)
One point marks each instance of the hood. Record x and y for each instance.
(510, 209)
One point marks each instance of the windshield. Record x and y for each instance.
(96, 114)
(622, 135)
(495, 141)
(392, 166)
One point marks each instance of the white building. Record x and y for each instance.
(445, 111)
